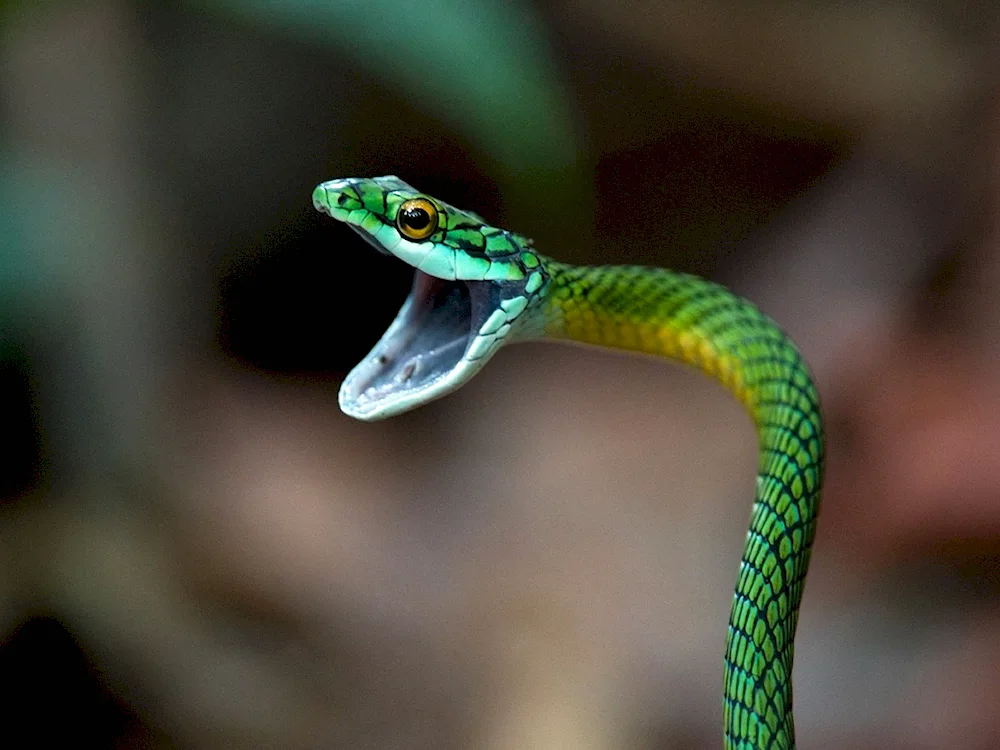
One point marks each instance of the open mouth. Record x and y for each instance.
(422, 351)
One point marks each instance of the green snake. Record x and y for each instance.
(478, 287)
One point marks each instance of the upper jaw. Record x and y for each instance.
(370, 240)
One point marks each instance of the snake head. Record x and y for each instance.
(475, 287)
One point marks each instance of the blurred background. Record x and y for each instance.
(197, 550)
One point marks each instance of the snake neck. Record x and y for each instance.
(691, 320)
(685, 318)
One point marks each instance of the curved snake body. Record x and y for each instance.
(478, 287)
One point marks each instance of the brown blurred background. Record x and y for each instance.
(200, 551)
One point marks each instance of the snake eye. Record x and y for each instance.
(417, 219)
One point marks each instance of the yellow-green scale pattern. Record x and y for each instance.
(700, 323)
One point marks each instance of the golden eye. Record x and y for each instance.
(417, 219)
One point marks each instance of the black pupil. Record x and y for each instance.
(416, 218)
